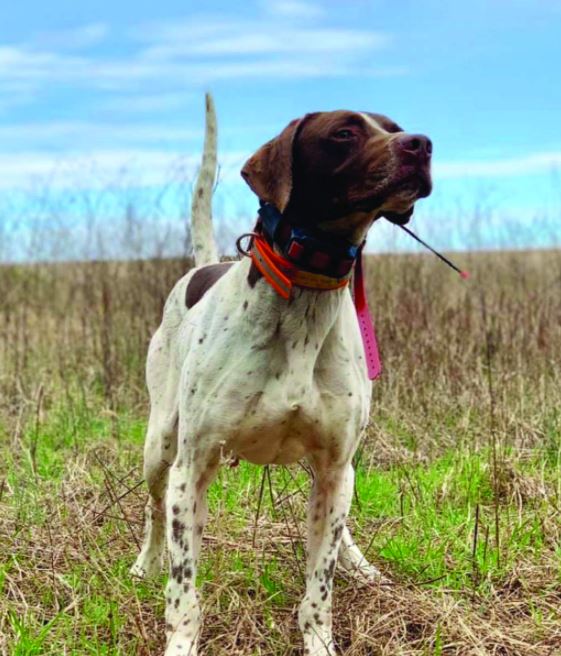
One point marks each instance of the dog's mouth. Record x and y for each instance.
(418, 180)
(409, 185)
(395, 199)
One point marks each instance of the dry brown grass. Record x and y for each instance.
(471, 369)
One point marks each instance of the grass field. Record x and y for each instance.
(458, 493)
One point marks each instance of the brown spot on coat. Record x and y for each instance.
(253, 276)
(177, 528)
(203, 279)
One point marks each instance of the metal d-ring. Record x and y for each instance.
(243, 251)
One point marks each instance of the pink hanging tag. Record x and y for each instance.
(373, 363)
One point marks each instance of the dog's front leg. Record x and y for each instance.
(327, 513)
(186, 510)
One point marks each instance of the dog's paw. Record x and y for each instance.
(181, 645)
(373, 576)
(146, 568)
(137, 572)
(367, 574)
(320, 647)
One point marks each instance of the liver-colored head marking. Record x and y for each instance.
(332, 166)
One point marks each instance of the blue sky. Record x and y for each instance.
(88, 90)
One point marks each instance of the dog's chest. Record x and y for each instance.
(270, 414)
(283, 416)
(274, 382)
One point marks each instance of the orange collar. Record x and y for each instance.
(282, 274)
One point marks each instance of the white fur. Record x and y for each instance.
(268, 380)
(204, 245)
(373, 122)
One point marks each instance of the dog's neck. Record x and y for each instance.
(306, 246)
(283, 278)
(289, 260)
(303, 322)
(353, 227)
(350, 227)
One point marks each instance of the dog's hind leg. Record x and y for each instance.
(160, 449)
(351, 558)
(159, 452)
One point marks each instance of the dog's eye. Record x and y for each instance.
(344, 134)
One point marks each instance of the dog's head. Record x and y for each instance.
(339, 171)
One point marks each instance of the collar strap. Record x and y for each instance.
(310, 250)
(282, 274)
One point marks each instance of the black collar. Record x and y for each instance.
(309, 249)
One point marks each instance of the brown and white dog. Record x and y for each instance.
(235, 368)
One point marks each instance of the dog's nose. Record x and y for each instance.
(415, 146)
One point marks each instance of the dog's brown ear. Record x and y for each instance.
(269, 171)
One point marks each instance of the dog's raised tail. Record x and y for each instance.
(204, 245)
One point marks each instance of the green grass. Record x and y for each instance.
(430, 524)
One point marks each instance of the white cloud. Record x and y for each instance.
(80, 134)
(18, 62)
(180, 30)
(148, 103)
(79, 37)
(540, 162)
(24, 71)
(273, 41)
(293, 9)
(217, 37)
(196, 51)
(98, 169)
(295, 53)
